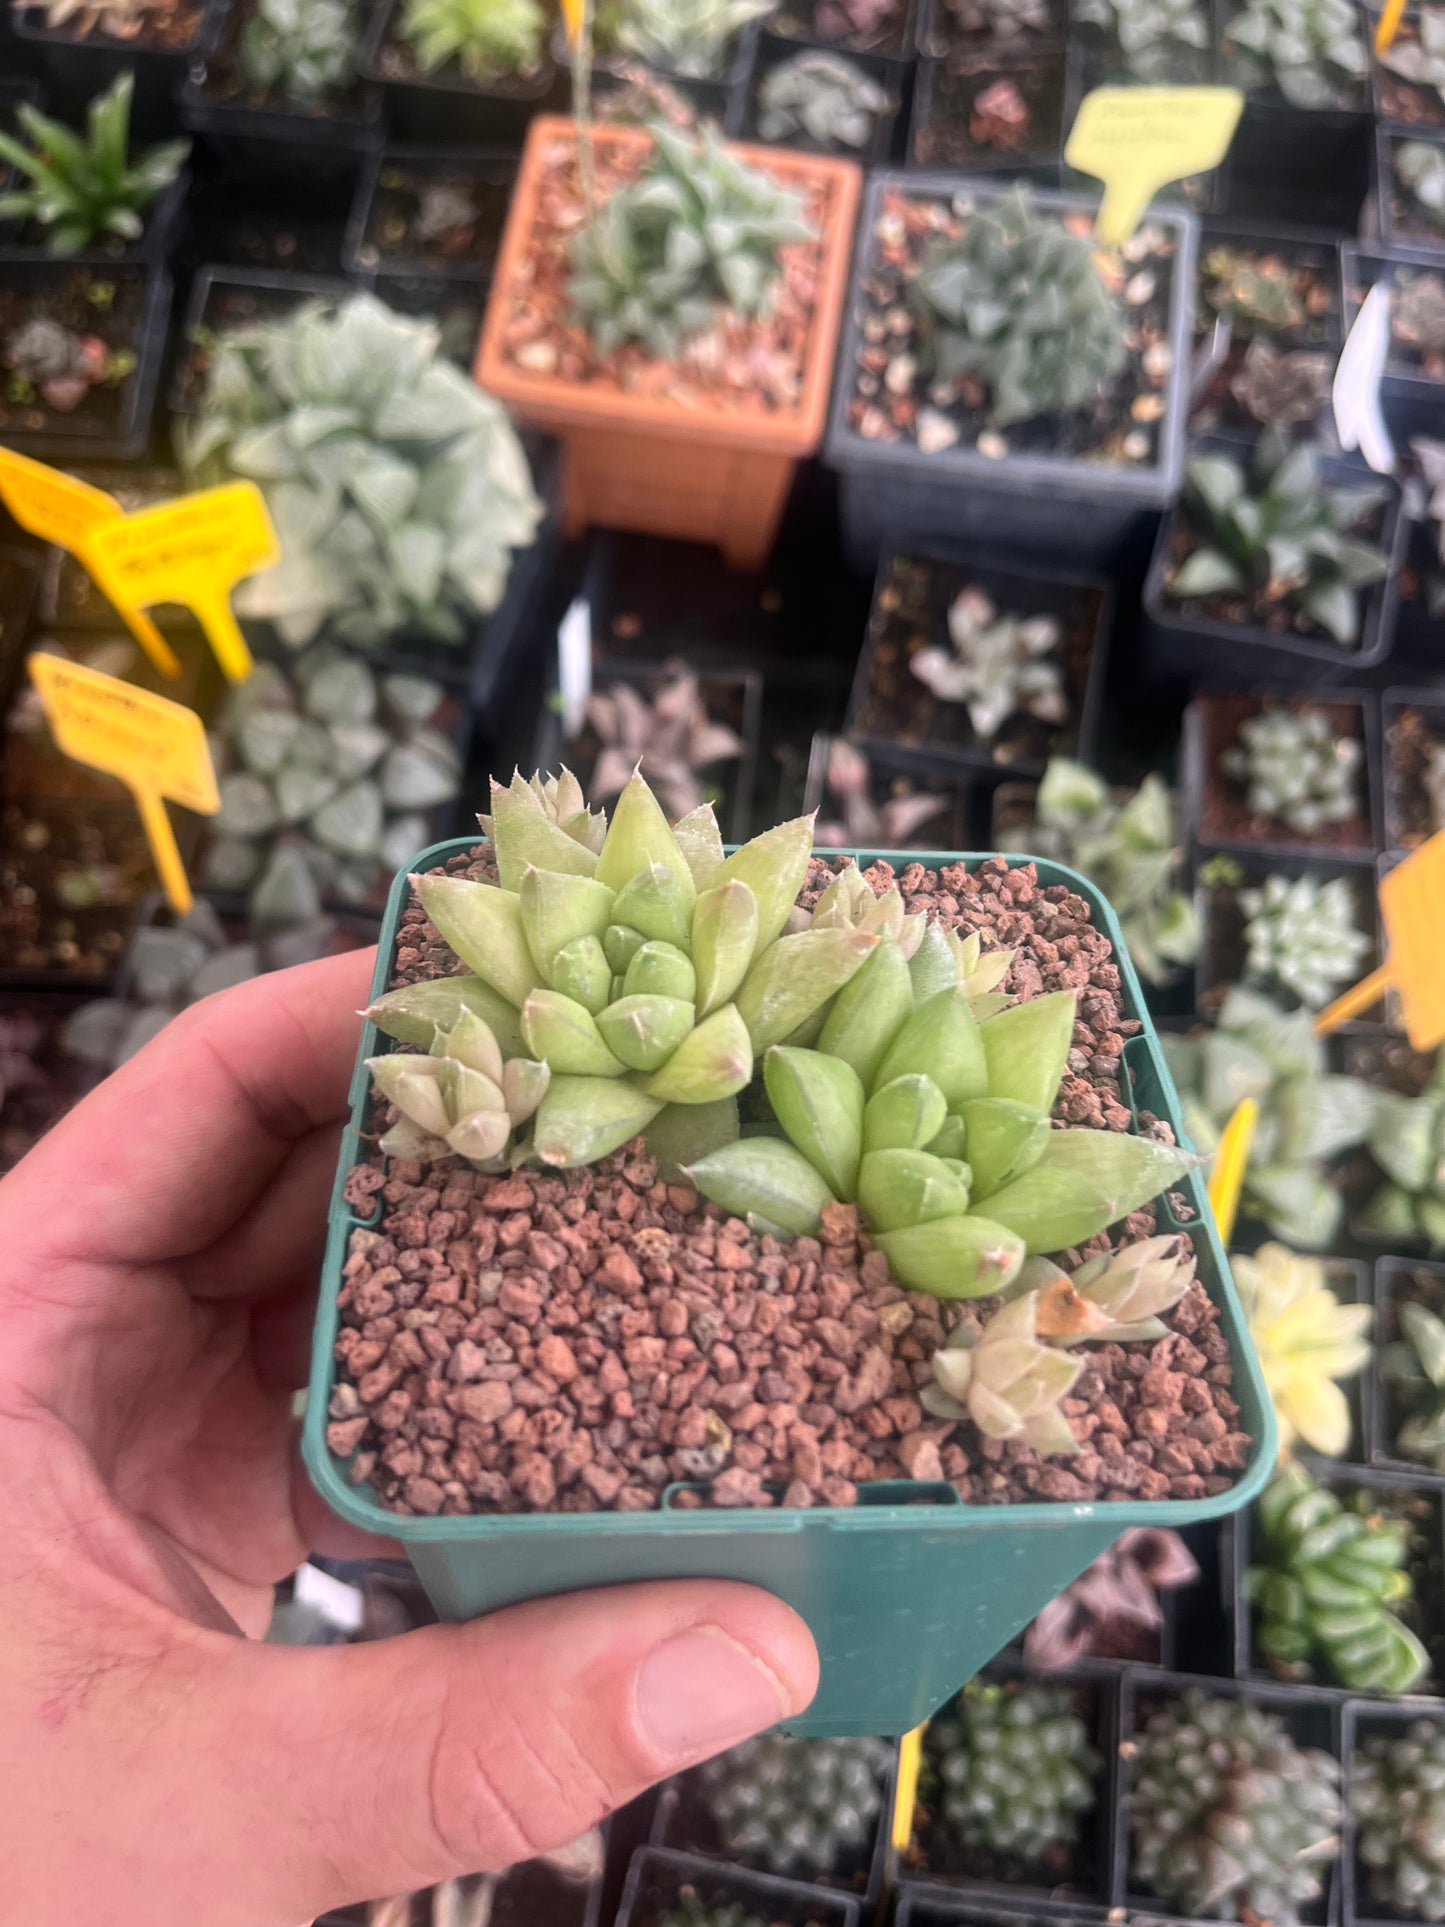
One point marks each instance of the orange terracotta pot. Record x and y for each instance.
(699, 473)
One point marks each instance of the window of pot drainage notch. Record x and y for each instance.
(1414, 774)
(984, 112)
(70, 339)
(445, 219)
(1283, 772)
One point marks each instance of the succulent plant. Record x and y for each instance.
(1407, 1141)
(1227, 1812)
(1278, 529)
(118, 19)
(1312, 51)
(1006, 1380)
(1002, 20)
(45, 359)
(487, 39)
(1112, 1610)
(698, 231)
(329, 756)
(820, 98)
(867, 825)
(1016, 302)
(1397, 1801)
(398, 489)
(903, 1085)
(669, 739)
(1282, 388)
(85, 189)
(460, 1098)
(1420, 58)
(1130, 851)
(1115, 1298)
(1307, 1114)
(796, 1806)
(300, 51)
(1295, 769)
(1330, 1573)
(1009, 1770)
(1417, 313)
(1255, 293)
(999, 665)
(1306, 1341)
(1160, 40)
(1420, 170)
(1302, 934)
(691, 38)
(999, 117)
(1415, 1367)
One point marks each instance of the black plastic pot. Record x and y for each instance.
(720, 97)
(457, 308)
(164, 220)
(921, 1905)
(1166, 1640)
(527, 1892)
(1406, 825)
(1085, 610)
(658, 1878)
(1211, 725)
(224, 298)
(446, 106)
(1197, 651)
(951, 829)
(1411, 400)
(1406, 105)
(938, 32)
(1312, 1719)
(1367, 1720)
(773, 52)
(395, 170)
(1398, 225)
(1220, 962)
(74, 68)
(1395, 1281)
(895, 42)
(939, 128)
(1416, 1497)
(52, 436)
(1079, 512)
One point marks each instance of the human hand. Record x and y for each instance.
(159, 1252)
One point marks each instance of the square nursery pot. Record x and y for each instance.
(1412, 386)
(74, 67)
(773, 52)
(1400, 220)
(526, 1893)
(391, 198)
(890, 781)
(448, 106)
(1418, 1500)
(1365, 1720)
(718, 96)
(1193, 648)
(1214, 803)
(699, 473)
(910, 1558)
(1413, 737)
(457, 308)
(660, 1878)
(1220, 962)
(921, 1905)
(964, 103)
(892, 40)
(893, 713)
(1397, 1281)
(222, 299)
(1034, 496)
(268, 138)
(127, 307)
(1405, 105)
(1311, 1718)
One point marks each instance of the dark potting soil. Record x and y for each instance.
(892, 399)
(70, 877)
(226, 84)
(984, 110)
(15, 600)
(911, 614)
(228, 306)
(1411, 749)
(39, 1080)
(873, 27)
(1414, 103)
(104, 303)
(1224, 814)
(440, 217)
(1311, 276)
(975, 24)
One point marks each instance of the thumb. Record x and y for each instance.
(378, 1769)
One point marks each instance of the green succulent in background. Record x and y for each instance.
(697, 232)
(1324, 1591)
(822, 99)
(1302, 934)
(1227, 1812)
(398, 489)
(1421, 58)
(997, 666)
(1010, 1770)
(1420, 170)
(486, 38)
(1254, 293)
(692, 38)
(1277, 528)
(300, 51)
(1130, 850)
(1306, 1340)
(1295, 768)
(1407, 1141)
(1015, 302)
(796, 1806)
(1417, 308)
(1307, 1113)
(1415, 1367)
(86, 188)
(1311, 50)
(1397, 1800)
(1282, 388)
(1161, 40)
(329, 756)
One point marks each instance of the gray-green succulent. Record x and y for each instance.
(1420, 56)
(821, 99)
(692, 38)
(696, 234)
(1407, 1141)
(1420, 171)
(1295, 769)
(488, 39)
(1282, 388)
(1015, 302)
(1009, 1770)
(1302, 934)
(796, 1806)
(1397, 1801)
(301, 51)
(1415, 1367)
(398, 489)
(997, 665)
(1161, 41)
(1312, 51)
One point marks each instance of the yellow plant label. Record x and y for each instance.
(1226, 1180)
(905, 1787)
(1389, 25)
(60, 509)
(193, 551)
(574, 13)
(156, 747)
(1135, 139)
(1412, 909)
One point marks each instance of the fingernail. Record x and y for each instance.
(703, 1691)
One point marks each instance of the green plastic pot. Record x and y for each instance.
(909, 1592)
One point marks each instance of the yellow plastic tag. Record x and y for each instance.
(156, 747)
(1135, 139)
(574, 13)
(193, 551)
(1412, 909)
(60, 509)
(905, 1790)
(1389, 25)
(1226, 1180)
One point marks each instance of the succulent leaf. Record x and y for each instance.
(644, 1031)
(794, 977)
(415, 1013)
(904, 1114)
(483, 925)
(582, 1119)
(725, 939)
(941, 1040)
(558, 908)
(766, 1178)
(1083, 1182)
(1005, 1139)
(898, 1188)
(867, 1012)
(818, 1100)
(962, 1257)
(565, 1036)
(713, 1061)
(1027, 1049)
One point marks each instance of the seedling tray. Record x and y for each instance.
(909, 1592)
(1367, 1720)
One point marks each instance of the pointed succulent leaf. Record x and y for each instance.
(658, 903)
(904, 1114)
(524, 1085)
(766, 1178)
(408, 1140)
(522, 835)
(1004, 1140)
(483, 925)
(964, 1257)
(661, 970)
(580, 970)
(933, 966)
(897, 1188)
(645, 1031)
(557, 908)
(470, 1041)
(1084, 1182)
(774, 866)
(869, 1011)
(713, 1061)
(1027, 1047)
(564, 1035)
(480, 1135)
(1426, 1334)
(942, 1040)
(620, 944)
(582, 1119)
(724, 941)
(415, 1088)
(818, 1101)
(638, 839)
(698, 837)
(415, 1013)
(681, 1134)
(951, 1139)
(794, 976)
